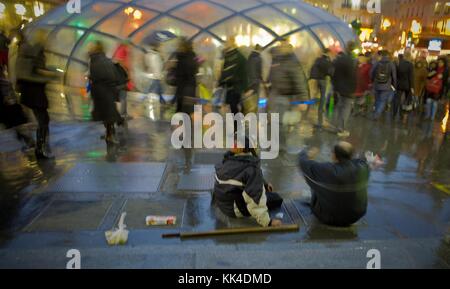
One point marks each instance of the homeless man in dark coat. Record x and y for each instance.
(339, 189)
(240, 189)
(104, 82)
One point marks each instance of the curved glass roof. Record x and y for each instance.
(206, 22)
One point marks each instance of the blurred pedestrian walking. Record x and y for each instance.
(4, 48)
(154, 64)
(185, 71)
(32, 77)
(288, 83)
(344, 83)
(255, 80)
(11, 112)
(234, 76)
(420, 79)
(403, 100)
(435, 87)
(363, 84)
(384, 78)
(121, 58)
(104, 81)
(321, 70)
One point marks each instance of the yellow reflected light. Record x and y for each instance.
(416, 27)
(365, 34)
(20, 9)
(386, 24)
(445, 120)
(128, 10)
(137, 15)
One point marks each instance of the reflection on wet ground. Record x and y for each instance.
(408, 197)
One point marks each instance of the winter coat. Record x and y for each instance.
(321, 68)
(344, 76)
(185, 76)
(420, 76)
(255, 70)
(234, 72)
(392, 81)
(30, 83)
(239, 190)
(363, 79)
(11, 114)
(104, 82)
(4, 42)
(288, 77)
(405, 75)
(339, 191)
(435, 77)
(154, 64)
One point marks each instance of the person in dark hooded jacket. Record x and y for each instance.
(240, 189)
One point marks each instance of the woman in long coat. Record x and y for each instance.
(104, 92)
(185, 75)
(420, 78)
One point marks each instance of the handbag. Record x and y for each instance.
(434, 85)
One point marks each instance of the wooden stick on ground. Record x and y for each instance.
(233, 231)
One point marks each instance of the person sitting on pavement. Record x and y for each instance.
(240, 189)
(338, 188)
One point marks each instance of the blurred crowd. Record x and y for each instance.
(341, 84)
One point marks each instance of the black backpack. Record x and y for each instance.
(383, 73)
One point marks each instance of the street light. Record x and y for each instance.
(20, 9)
(416, 27)
(386, 24)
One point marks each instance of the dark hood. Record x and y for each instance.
(234, 165)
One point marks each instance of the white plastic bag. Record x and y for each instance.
(118, 236)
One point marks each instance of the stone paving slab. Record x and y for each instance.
(200, 178)
(111, 178)
(70, 216)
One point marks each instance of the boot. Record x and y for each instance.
(42, 146)
(110, 134)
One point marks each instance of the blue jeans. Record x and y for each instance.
(156, 88)
(431, 108)
(344, 109)
(382, 97)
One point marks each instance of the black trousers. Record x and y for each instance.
(274, 201)
(42, 117)
(233, 100)
(399, 101)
